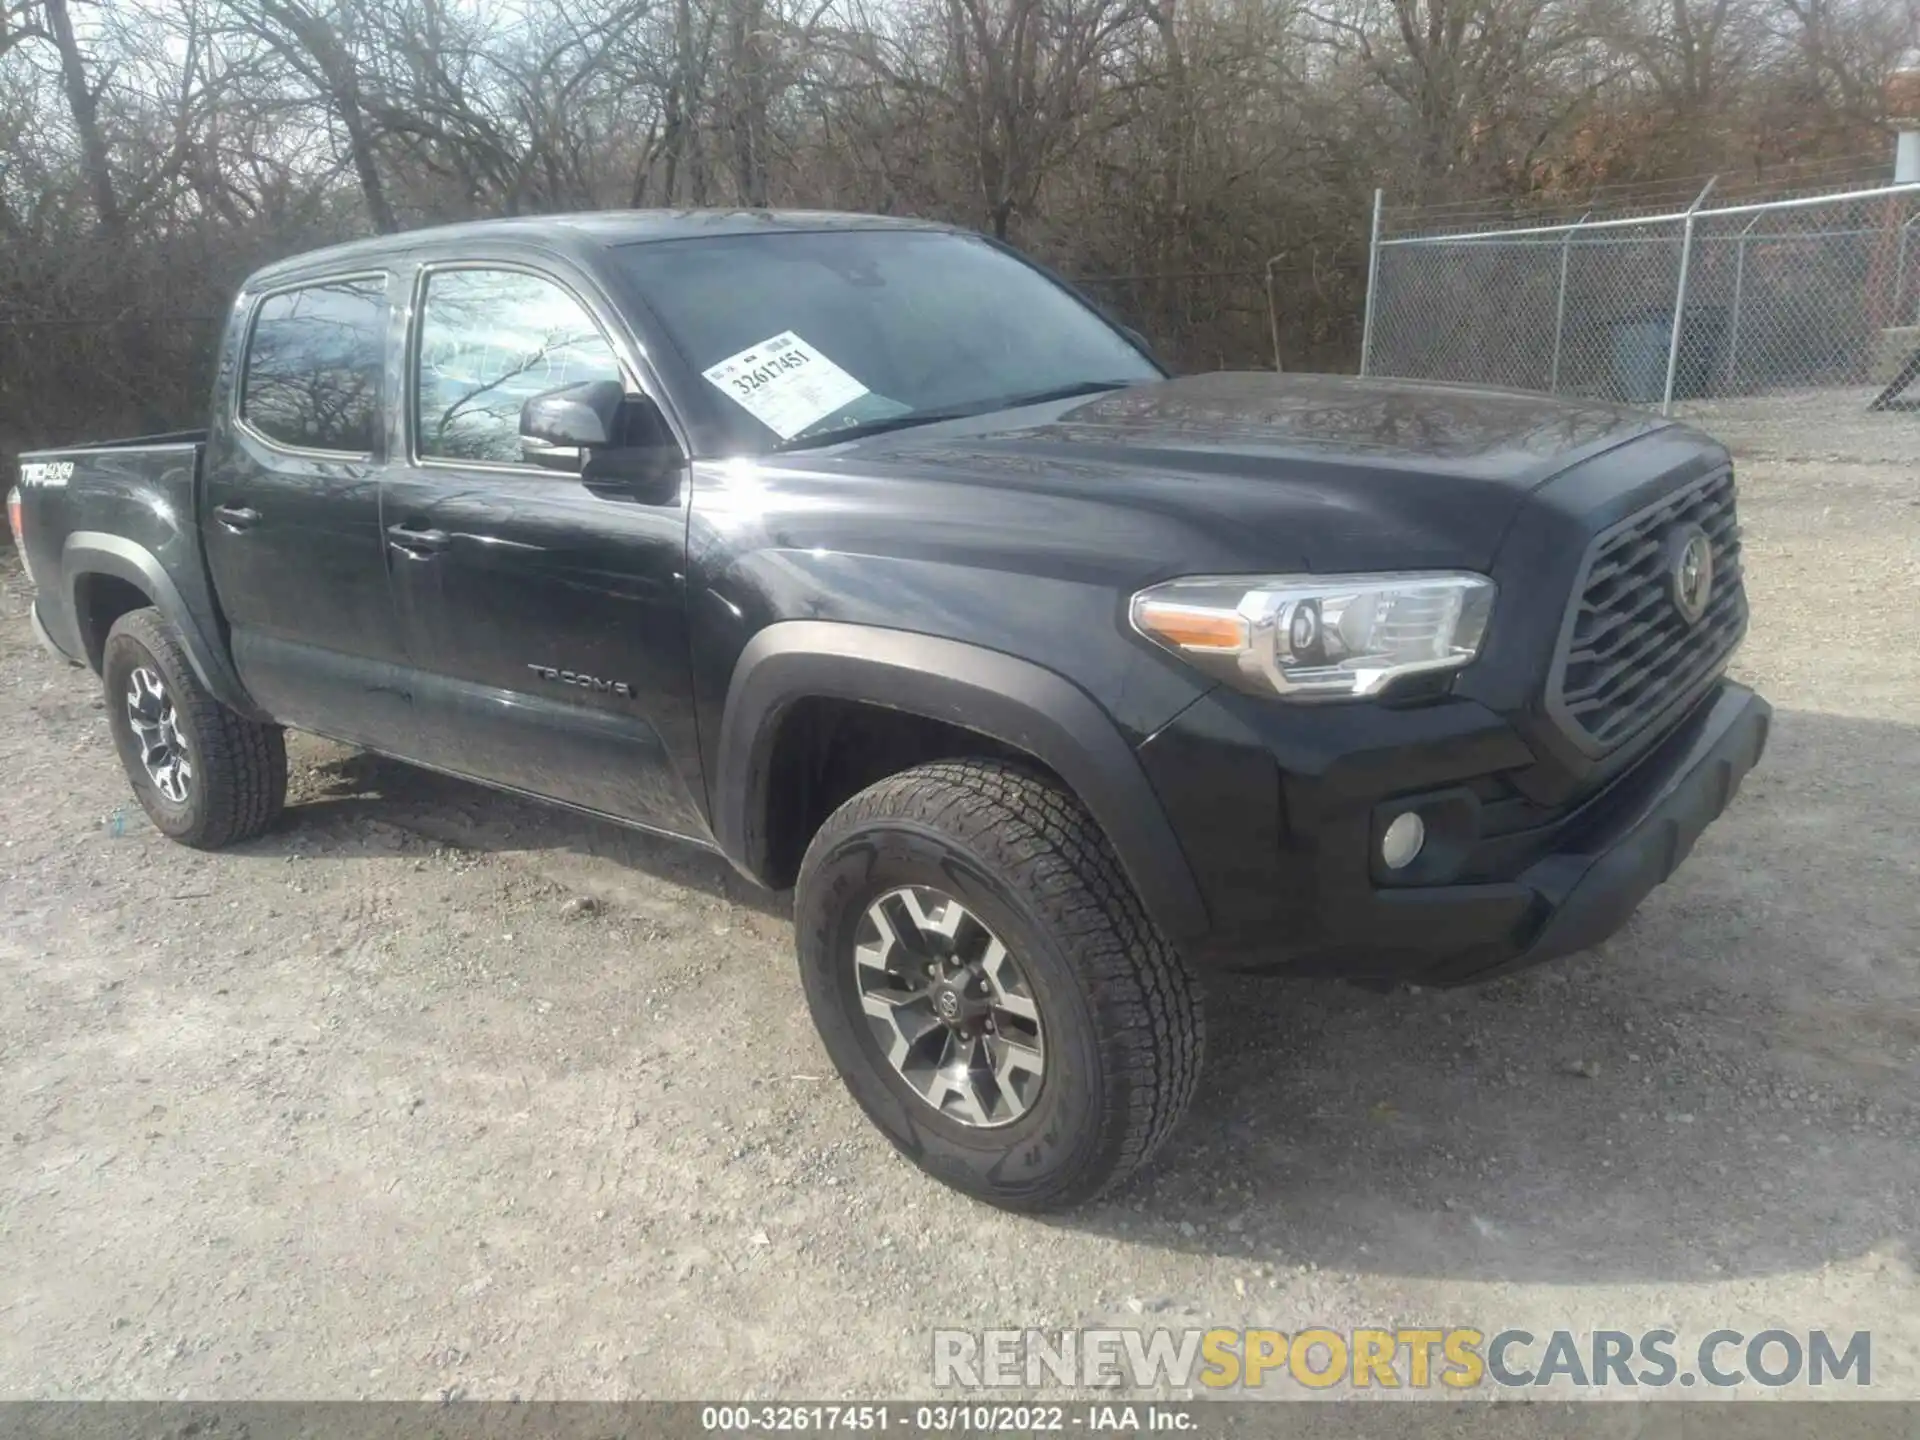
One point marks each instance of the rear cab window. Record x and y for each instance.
(313, 365)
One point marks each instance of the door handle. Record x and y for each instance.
(418, 543)
(236, 517)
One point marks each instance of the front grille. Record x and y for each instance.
(1626, 652)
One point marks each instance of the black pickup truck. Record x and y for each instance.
(867, 554)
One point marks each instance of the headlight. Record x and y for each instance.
(1318, 637)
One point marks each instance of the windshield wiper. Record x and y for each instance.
(933, 417)
(871, 427)
(1062, 392)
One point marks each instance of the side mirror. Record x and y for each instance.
(559, 427)
(644, 461)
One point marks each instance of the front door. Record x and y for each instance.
(291, 514)
(543, 619)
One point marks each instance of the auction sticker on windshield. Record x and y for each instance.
(785, 383)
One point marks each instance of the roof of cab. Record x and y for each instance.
(589, 230)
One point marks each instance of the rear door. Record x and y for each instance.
(543, 618)
(291, 512)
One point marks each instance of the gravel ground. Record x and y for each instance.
(434, 1093)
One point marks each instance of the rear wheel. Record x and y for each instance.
(205, 776)
(990, 987)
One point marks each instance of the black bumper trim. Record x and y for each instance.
(1574, 899)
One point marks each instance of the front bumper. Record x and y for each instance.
(1575, 897)
(1316, 903)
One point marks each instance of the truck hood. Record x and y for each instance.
(1318, 472)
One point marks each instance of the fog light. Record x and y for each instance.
(1403, 840)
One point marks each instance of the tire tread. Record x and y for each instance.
(1040, 839)
(245, 784)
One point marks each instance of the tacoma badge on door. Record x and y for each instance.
(585, 682)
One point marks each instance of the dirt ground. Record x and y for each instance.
(379, 1106)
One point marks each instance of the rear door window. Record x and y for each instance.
(313, 366)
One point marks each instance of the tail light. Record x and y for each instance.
(16, 518)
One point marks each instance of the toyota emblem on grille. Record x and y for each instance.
(1691, 572)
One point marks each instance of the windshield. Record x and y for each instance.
(805, 338)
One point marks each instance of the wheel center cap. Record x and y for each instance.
(958, 1001)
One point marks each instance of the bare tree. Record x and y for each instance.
(316, 41)
(83, 104)
(1170, 150)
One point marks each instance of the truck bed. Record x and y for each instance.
(162, 440)
(115, 511)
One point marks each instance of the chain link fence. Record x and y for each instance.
(1816, 292)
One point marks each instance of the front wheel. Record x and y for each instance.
(990, 987)
(205, 776)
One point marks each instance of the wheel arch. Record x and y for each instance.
(97, 566)
(1014, 706)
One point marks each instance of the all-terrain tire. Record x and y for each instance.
(237, 783)
(1120, 1008)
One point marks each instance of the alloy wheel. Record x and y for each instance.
(950, 1007)
(156, 727)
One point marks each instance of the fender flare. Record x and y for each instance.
(93, 552)
(1013, 701)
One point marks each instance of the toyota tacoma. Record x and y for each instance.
(867, 554)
